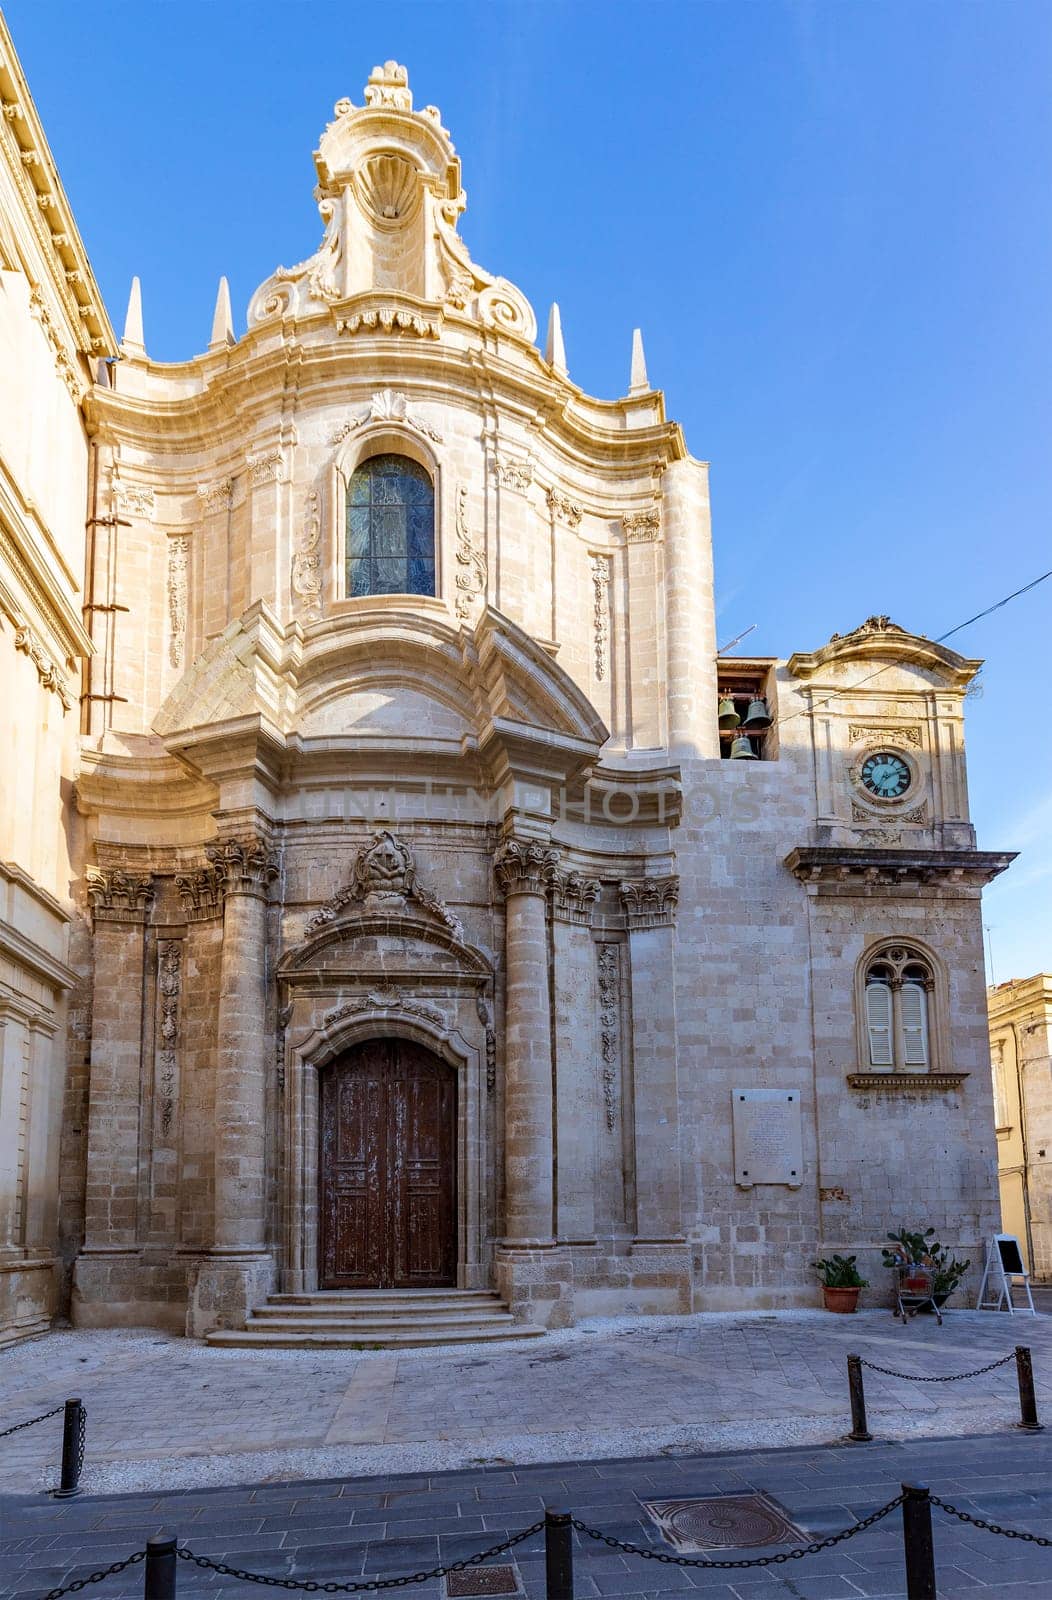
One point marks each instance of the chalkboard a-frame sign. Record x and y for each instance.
(1008, 1250)
(1004, 1262)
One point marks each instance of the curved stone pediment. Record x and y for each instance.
(383, 671)
(375, 946)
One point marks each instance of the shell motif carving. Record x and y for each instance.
(388, 186)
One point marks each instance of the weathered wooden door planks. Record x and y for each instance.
(388, 1169)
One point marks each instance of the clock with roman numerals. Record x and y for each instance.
(886, 775)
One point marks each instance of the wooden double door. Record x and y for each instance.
(388, 1169)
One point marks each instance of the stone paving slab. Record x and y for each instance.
(166, 1412)
(351, 1529)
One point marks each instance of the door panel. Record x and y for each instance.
(388, 1169)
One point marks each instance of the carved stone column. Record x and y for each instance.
(689, 610)
(529, 1279)
(105, 1275)
(659, 1252)
(576, 1054)
(239, 1271)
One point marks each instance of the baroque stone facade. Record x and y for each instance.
(1021, 1064)
(481, 826)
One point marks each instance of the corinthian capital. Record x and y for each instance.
(649, 902)
(201, 891)
(118, 896)
(247, 865)
(525, 866)
(573, 896)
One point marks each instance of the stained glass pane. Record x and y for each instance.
(357, 530)
(390, 528)
(421, 577)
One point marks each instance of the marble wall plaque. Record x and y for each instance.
(768, 1144)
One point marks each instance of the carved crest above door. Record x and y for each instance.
(384, 879)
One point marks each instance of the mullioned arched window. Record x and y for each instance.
(899, 982)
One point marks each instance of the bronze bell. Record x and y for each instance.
(757, 716)
(728, 715)
(742, 750)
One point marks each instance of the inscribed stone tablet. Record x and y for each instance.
(768, 1146)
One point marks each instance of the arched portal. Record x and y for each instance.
(387, 1169)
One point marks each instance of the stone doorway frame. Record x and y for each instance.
(306, 1056)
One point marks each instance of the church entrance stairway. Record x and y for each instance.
(375, 1319)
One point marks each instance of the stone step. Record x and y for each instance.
(403, 1299)
(378, 1327)
(266, 1338)
(348, 1317)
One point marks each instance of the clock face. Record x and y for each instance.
(886, 775)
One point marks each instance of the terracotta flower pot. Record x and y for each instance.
(840, 1299)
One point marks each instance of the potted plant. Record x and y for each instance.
(925, 1267)
(841, 1282)
(911, 1254)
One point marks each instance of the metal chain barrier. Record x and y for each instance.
(96, 1577)
(989, 1527)
(366, 1586)
(778, 1560)
(948, 1377)
(32, 1422)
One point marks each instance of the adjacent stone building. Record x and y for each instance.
(445, 912)
(1021, 1062)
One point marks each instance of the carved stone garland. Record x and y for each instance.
(485, 1016)
(306, 562)
(169, 985)
(608, 962)
(600, 610)
(471, 559)
(178, 564)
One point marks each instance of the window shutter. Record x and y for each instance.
(878, 1024)
(914, 1025)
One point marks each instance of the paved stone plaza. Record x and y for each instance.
(364, 1528)
(166, 1413)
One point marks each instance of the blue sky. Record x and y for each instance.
(831, 220)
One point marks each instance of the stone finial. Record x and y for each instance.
(638, 383)
(132, 340)
(554, 349)
(525, 866)
(389, 86)
(222, 319)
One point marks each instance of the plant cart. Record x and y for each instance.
(914, 1290)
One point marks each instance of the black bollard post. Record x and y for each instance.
(161, 1563)
(1024, 1368)
(859, 1427)
(918, 1546)
(558, 1555)
(73, 1426)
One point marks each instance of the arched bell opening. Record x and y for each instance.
(387, 1168)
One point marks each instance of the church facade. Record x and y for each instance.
(436, 908)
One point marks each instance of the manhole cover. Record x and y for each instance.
(724, 1522)
(482, 1580)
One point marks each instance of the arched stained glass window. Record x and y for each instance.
(390, 528)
